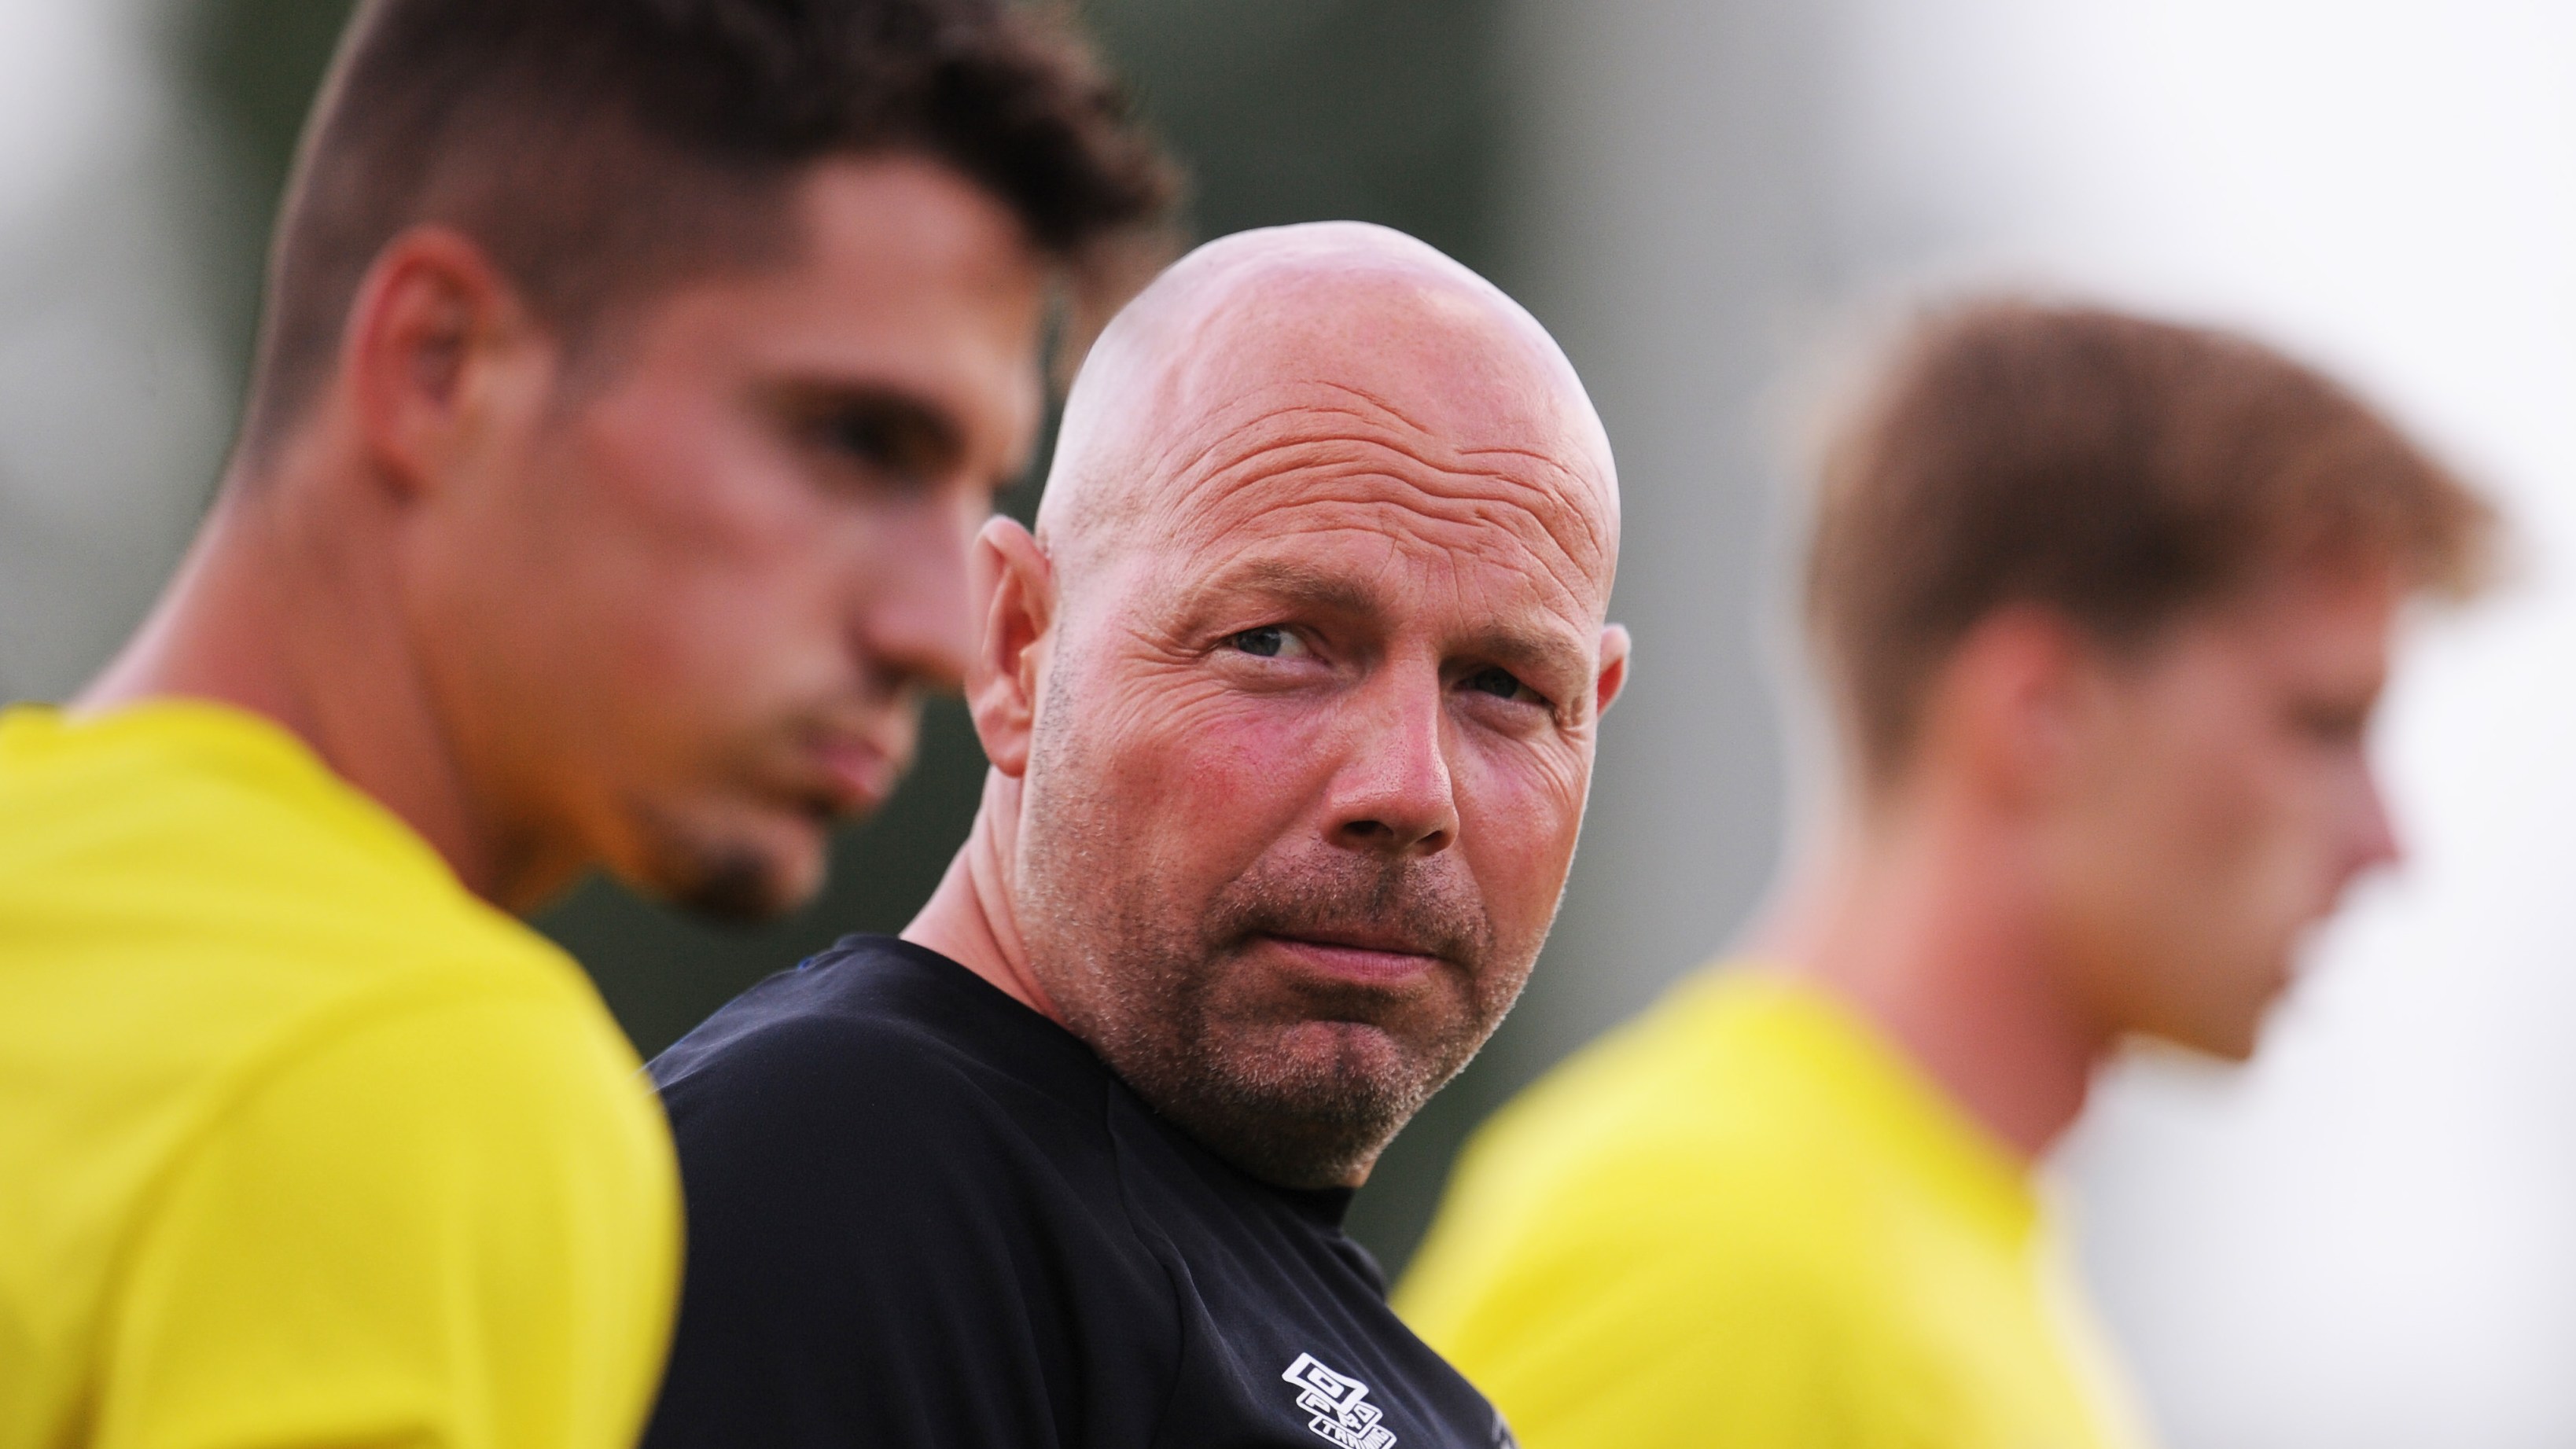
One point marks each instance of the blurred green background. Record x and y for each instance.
(1280, 110)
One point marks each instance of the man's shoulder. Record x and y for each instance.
(904, 1211)
(373, 1132)
(1679, 1154)
(1764, 1117)
(881, 1045)
(191, 885)
(1743, 1171)
(184, 800)
(193, 913)
(148, 1022)
(456, 1094)
(1706, 1089)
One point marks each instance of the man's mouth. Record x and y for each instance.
(1365, 958)
(850, 776)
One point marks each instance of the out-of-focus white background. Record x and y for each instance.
(2367, 1239)
(111, 403)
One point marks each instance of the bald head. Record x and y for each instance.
(1303, 334)
(1292, 702)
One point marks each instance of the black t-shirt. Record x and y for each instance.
(923, 1216)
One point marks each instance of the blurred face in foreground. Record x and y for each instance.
(1303, 693)
(2216, 802)
(677, 602)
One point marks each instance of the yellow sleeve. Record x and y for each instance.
(452, 1225)
(1653, 1305)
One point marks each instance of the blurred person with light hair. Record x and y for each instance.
(634, 381)
(2105, 605)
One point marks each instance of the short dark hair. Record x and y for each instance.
(599, 149)
(2118, 470)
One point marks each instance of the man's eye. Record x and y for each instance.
(1270, 641)
(890, 440)
(1501, 683)
(2335, 724)
(880, 442)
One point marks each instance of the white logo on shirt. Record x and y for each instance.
(1342, 1413)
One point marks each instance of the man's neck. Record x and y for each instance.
(969, 918)
(285, 608)
(1925, 924)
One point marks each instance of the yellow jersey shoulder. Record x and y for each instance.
(196, 829)
(1684, 1146)
(1746, 1219)
(187, 894)
(192, 906)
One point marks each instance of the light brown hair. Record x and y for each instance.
(2117, 470)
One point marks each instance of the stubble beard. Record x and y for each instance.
(709, 875)
(1301, 1087)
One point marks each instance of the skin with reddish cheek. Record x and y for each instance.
(1515, 791)
(1276, 970)
(707, 571)
(1291, 697)
(740, 570)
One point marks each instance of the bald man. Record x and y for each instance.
(1291, 703)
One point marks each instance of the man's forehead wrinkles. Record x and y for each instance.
(1286, 406)
(1319, 460)
(1189, 402)
(1348, 454)
(1452, 549)
(1389, 506)
(1313, 577)
(1379, 404)
(1594, 520)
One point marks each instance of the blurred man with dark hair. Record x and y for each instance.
(2105, 605)
(635, 378)
(1291, 703)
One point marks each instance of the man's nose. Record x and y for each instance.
(2374, 839)
(1394, 795)
(914, 604)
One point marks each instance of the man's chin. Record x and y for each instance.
(735, 881)
(2229, 1042)
(1307, 1107)
(1322, 1052)
(737, 894)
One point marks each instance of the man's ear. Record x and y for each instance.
(1615, 653)
(2011, 705)
(1015, 596)
(436, 340)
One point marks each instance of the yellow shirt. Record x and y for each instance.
(1744, 1221)
(300, 1143)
